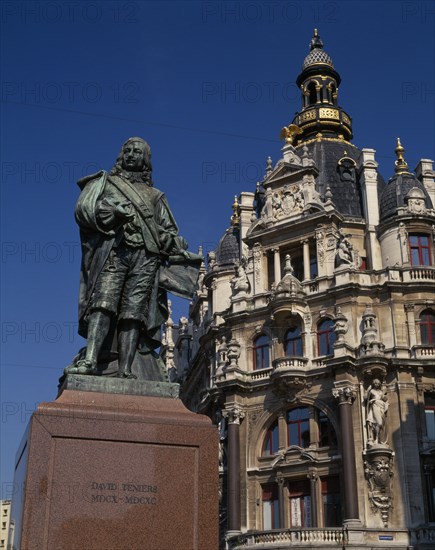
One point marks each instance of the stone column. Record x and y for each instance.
(306, 252)
(234, 415)
(276, 265)
(346, 396)
(313, 477)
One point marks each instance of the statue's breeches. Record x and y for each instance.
(125, 283)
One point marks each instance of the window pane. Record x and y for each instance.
(271, 443)
(293, 436)
(430, 424)
(296, 512)
(305, 435)
(275, 516)
(307, 511)
(266, 358)
(425, 256)
(313, 267)
(267, 515)
(323, 344)
(298, 347)
(415, 260)
(270, 507)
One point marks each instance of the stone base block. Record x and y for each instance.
(102, 471)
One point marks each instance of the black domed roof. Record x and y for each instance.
(317, 56)
(228, 249)
(397, 188)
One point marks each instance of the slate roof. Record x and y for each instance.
(228, 249)
(346, 196)
(393, 196)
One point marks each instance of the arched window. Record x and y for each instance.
(261, 352)
(333, 91)
(326, 337)
(427, 327)
(271, 441)
(298, 427)
(419, 250)
(293, 342)
(312, 93)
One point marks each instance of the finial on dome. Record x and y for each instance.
(401, 165)
(316, 41)
(235, 216)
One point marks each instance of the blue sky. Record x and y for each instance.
(209, 85)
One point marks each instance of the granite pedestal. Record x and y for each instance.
(105, 471)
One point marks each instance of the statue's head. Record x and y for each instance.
(135, 160)
(376, 383)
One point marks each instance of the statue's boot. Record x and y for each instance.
(128, 338)
(98, 328)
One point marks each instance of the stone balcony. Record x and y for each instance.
(304, 538)
(424, 352)
(290, 363)
(423, 538)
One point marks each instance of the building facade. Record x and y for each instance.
(311, 342)
(6, 531)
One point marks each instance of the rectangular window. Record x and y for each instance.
(300, 504)
(331, 499)
(430, 422)
(419, 250)
(270, 507)
(314, 270)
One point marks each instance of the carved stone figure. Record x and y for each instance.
(344, 253)
(376, 403)
(240, 281)
(131, 255)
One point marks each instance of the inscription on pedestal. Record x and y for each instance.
(123, 493)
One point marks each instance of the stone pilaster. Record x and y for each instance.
(276, 265)
(369, 180)
(306, 253)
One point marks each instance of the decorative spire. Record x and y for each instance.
(316, 41)
(235, 217)
(269, 165)
(401, 165)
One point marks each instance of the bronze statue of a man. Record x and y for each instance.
(130, 244)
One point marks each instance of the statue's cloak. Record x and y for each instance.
(177, 274)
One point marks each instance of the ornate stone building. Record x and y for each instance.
(311, 342)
